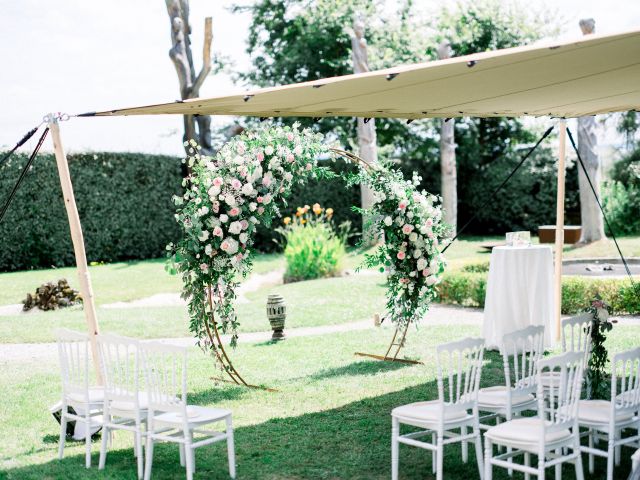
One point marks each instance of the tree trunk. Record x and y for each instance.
(366, 131)
(591, 216)
(448, 177)
(196, 127)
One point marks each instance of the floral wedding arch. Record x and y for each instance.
(228, 195)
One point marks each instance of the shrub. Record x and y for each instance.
(469, 289)
(124, 201)
(313, 249)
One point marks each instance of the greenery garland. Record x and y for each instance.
(596, 376)
(228, 195)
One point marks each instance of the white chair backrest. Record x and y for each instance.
(576, 335)
(166, 371)
(459, 367)
(558, 401)
(121, 363)
(74, 353)
(625, 382)
(521, 351)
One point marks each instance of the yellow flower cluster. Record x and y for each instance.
(302, 215)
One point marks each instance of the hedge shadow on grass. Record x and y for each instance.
(348, 442)
(366, 367)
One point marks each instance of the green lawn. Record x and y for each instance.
(329, 419)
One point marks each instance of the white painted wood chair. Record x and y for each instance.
(576, 337)
(77, 390)
(608, 418)
(521, 350)
(125, 403)
(552, 434)
(459, 368)
(170, 419)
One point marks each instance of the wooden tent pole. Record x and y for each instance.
(78, 243)
(562, 142)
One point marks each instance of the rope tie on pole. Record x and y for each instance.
(26, 168)
(504, 182)
(604, 216)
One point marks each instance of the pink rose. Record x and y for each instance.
(217, 232)
(407, 229)
(266, 180)
(241, 148)
(400, 255)
(218, 181)
(236, 184)
(204, 267)
(260, 210)
(234, 211)
(403, 204)
(309, 166)
(429, 222)
(291, 158)
(426, 272)
(259, 199)
(260, 156)
(290, 136)
(244, 224)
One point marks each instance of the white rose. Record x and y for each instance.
(253, 206)
(422, 264)
(417, 254)
(208, 250)
(204, 236)
(230, 199)
(224, 218)
(244, 237)
(388, 221)
(269, 150)
(413, 236)
(235, 228)
(247, 189)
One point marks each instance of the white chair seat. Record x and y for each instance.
(195, 414)
(124, 405)
(524, 432)
(599, 411)
(497, 397)
(427, 412)
(96, 395)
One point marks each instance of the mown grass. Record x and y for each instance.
(329, 419)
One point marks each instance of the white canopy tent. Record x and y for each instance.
(593, 75)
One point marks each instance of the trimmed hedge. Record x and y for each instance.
(469, 289)
(124, 201)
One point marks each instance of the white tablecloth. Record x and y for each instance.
(519, 292)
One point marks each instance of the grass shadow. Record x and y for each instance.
(217, 394)
(367, 367)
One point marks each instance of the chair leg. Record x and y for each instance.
(558, 467)
(181, 449)
(578, 462)
(63, 432)
(478, 449)
(188, 453)
(149, 458)
(488, 453)
(433, 453)
(465, 448)
(103, 447)
(439, 455)
(87, 440)
(231, 452)
(395, 446)
(140, 451)
(610, 456)
(527, 463)
(618, 448)
(591, 459)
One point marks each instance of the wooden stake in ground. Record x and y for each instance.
(198, 127)
(367, 147)
(448, 181)
(562, 143)
(78, 242)
(591, 217)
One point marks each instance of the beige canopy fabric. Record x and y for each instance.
(592, 75)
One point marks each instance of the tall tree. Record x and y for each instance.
(590, 214)
(448, 174)
(366, 129)
(196, 127)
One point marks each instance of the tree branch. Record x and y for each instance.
(206, 58)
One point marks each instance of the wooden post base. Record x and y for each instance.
(225, 380)
(388, 359)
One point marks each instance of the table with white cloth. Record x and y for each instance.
(519, 292)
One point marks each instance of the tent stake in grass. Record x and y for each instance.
(78, 240)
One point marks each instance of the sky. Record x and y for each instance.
(76, 56)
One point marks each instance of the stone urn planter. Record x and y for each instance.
(276, 313)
